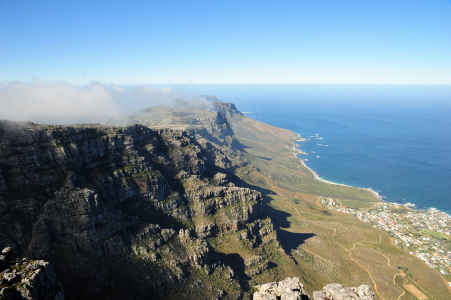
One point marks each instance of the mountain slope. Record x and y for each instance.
(208, 209)
(124, 210)
(319, 245)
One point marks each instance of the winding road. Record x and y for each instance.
(363, 267)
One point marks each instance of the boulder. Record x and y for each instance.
(288, 289)
(335, 291)
(29, 279)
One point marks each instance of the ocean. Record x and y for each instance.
(395, 140)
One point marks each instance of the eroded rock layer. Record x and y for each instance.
(97, 200)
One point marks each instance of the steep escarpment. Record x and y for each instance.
(128, 211)
(202, 119)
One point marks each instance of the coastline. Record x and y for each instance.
(374, 193)
(297, 152)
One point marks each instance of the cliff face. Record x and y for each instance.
(208, 120)
(90, 197)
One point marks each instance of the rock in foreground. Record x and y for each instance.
(28, 279)
(288, 289)
(335, 291)
(293, 289)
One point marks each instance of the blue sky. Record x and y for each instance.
(183, 42)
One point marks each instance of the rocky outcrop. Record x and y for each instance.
(288, 289)
(335, 291)
(28, 279)
(293, 289)
(80, 195)
(228, 109)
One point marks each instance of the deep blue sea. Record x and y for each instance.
(393, 139)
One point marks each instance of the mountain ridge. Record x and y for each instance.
(209, 208)
(105, 191)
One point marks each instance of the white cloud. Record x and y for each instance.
(53, 102)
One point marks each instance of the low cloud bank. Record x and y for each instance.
(51, 102)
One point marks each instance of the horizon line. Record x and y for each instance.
(287, 83)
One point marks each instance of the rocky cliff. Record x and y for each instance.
(208, 119)
(123, 208)
(21, 278)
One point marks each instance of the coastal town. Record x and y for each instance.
(423, 233)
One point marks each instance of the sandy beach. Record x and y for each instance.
(374, 193)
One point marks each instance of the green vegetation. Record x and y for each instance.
(143, 175)
(435, 234)
(400, 210)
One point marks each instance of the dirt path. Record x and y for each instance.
(306, 250)
(352, 275)
(402, 288)
(317, 201)
(416, 285)
(388, 259)
(315, 254)
(368, 271)
(350, 256)
(394, 281)
(369, 274)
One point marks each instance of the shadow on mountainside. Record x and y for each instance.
(288, 240)
(265, 158)
(236, 262)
